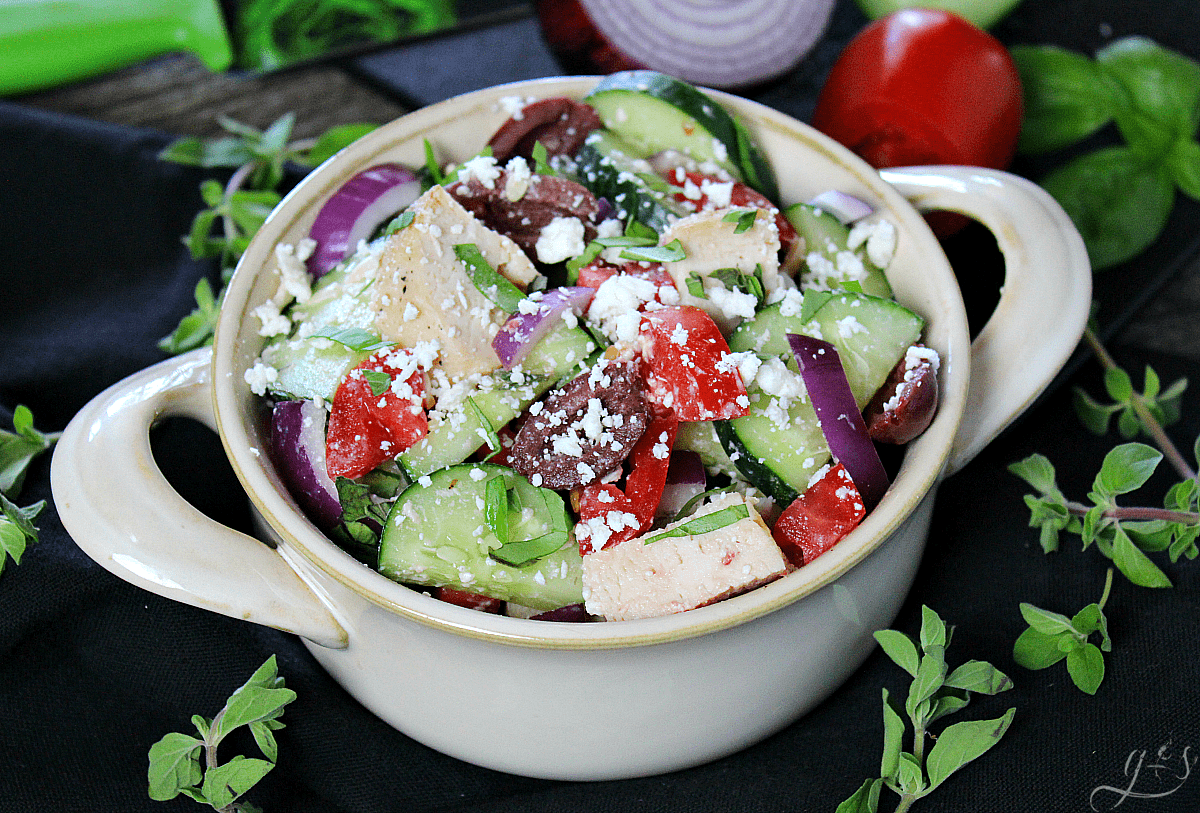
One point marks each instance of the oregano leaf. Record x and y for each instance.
(961, 743)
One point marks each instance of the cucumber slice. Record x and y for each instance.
(828, 237)
(656, 112)
(437, 535)
(313, 367)
(457, 435)
(614, 169)
(780, 454)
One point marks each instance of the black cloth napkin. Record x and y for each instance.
(93, 671)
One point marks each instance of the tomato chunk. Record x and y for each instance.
(688, 369)
(644, 485)
(828, 510)
(373, 419)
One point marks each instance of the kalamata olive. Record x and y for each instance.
(584, 431)
(538, 202)
(905, 405)
(560, 124)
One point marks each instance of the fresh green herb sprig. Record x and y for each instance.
(1119, 197)
(175, 760)
(234, 211)
(17, 450)
(935, 692)
(1125, 534)
(1051, 637)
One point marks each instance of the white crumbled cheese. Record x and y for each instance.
(410, 312)
(733, 304)
(273, 322)
(516, 183)
(560, 239)
(849, 325)
(615, 306)
(514, 106)
(482, 168)
(719, 193)
(880, 238)
(260, 376)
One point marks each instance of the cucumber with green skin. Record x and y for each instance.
(437, 534)
(656, 112)
(452, 441)
(614, 169)
(828, 236)
(871, 335)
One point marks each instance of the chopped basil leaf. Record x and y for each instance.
(670, 253)
(635, 228)
(522, 551)
(380, 381)
(495, 510)
(541, 160)
(432, 167)
(705, 523)
(354, 338)
(744, 218)
(401, 221)
(699, 498)
(736, 280)
(852, 285)
(813, 302)
(493, 440)
(575, 263)
(695, 285)
(490, 282)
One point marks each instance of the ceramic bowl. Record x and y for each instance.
(559, 700)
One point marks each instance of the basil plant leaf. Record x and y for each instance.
(1161, 93)
(1067, 97)
(1117, 200)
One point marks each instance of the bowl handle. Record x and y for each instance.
(1043, 305)
(120, 509)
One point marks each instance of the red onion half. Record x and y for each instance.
(298, 451)
(719, 43)
(357, 209)
(841, 422)
(524, 330)
(845, 208)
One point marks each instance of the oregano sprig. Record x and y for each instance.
(176, 760)
(18, 449)
(1051, 637)
(234, 211)
(935, 692)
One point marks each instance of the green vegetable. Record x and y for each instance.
(670, 253)
(175, 764)
(490, 282)
(1052, 637)
(17, 450)
(355, 338)
(1119, 197)
(743, 218)
(237, 209)
(935, 692)
(705, 523)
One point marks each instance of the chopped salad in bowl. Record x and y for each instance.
(598, 371)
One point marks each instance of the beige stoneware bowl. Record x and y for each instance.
(577, 701)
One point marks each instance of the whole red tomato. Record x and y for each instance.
(923, 86)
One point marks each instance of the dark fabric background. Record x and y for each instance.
(94, 671)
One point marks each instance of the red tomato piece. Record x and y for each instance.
(923, 86)
(370, 421)
(597, 272)
(644, 485)
(742, 195)
(472, 601)
(828, 510)
(687, 369)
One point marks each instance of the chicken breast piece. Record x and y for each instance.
(640, 580)
(423, 292)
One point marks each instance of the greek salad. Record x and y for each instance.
(598, 371)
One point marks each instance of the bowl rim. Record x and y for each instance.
(924, 461)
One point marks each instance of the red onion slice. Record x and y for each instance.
(298, 451)
(845, 208)
(841, 422)
(356, 210)
(686, 479)
(524, 330)
(727, 44)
